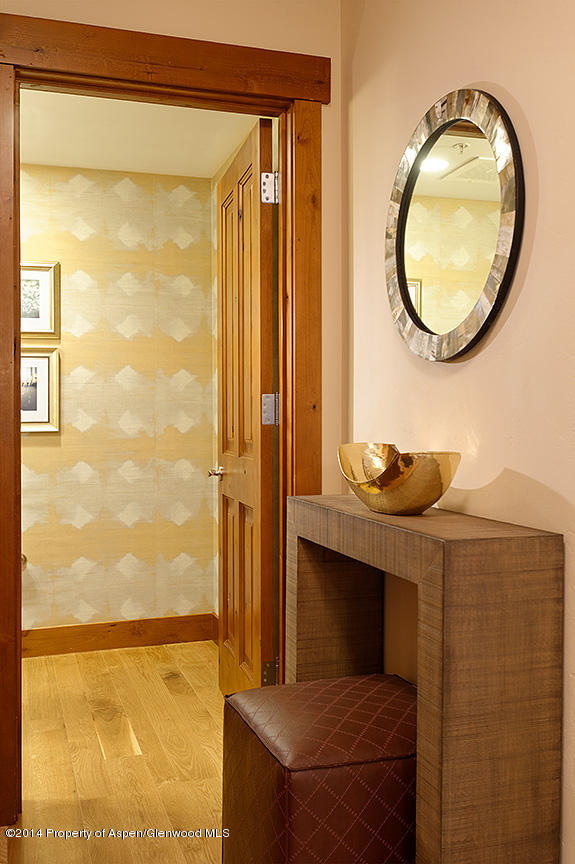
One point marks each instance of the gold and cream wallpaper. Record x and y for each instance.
(119, 517)
(449, 246)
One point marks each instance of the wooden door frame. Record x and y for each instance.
(89, 60)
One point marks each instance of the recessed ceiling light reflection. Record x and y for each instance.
(432, 165)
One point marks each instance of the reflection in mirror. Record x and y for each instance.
(452, 227)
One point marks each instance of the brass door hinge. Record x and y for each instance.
(270, 672)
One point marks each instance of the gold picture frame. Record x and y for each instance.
(40, 389)
(40, 299)
(414, 286)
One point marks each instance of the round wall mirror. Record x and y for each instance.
(454, 225)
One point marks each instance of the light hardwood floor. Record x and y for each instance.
(129, 739)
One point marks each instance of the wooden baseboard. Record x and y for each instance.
(72, 638)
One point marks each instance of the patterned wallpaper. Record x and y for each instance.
(119, 518)
(449, 245)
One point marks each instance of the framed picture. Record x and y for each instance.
(40, 300)
(40, 390)
(414, 288)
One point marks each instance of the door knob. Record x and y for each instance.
(216, 472)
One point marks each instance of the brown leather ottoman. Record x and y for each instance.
(321, 772)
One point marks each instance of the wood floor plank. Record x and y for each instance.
(199, 719)
(40, 700)
(171, 726)
(203, 678)
(121, 739)
(201, 661)
(85, 747)
(196, 806)
(201, 653)
(139, 807)
(159, 762)
(103, 813)
(197, 716)
(49, 796)
(113, 727)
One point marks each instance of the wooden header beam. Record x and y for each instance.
(79, 49)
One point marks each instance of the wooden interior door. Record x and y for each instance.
(245, 372)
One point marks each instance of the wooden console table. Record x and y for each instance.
(488, 623)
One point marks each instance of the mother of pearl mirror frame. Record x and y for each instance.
(486, 113)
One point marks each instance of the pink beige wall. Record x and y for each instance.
(288, 25)
(510, 407)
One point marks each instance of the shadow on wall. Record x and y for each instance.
(515, 497)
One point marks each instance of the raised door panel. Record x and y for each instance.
(247, 595)
(228, 575)
(246, 313)
(228, 287)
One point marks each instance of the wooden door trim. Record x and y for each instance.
(303, 294)
(10, 567)
(138, 91)
(300, 317)
(84, 49)
(60, 55)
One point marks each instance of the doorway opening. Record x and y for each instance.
(119, 517)
(176, 72)
(120, 224)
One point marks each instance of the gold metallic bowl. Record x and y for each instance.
(401, 484)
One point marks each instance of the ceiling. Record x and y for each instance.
(91, 132)
(471, 172)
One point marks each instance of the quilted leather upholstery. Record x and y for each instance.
(321, 771)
